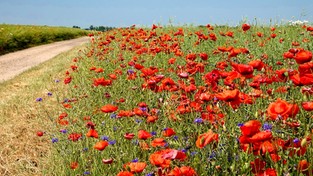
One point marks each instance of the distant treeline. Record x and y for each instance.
(97, 28)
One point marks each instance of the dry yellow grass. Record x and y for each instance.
(22, 152)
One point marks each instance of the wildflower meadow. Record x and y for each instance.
(186, 101)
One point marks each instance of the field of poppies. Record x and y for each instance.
(211, 100)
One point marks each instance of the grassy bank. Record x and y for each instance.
(21, 153)
(17, 37)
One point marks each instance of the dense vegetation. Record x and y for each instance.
(17, 37)
(186, 101)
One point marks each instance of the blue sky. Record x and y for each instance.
(122, 13)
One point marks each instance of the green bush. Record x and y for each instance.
(17, 37)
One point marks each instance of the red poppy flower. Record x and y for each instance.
(257, 166)
(67, 80)
(168, 132)
(273, 35)
(125, 173)
(245, 27)
(142, 134)
(63, 122)
(184, 170)
(268, 172)
(288, 55)
(129, 136)
(135, 167)
(144, 146)
(228, 95)
(74, 165)
(250, 128)
(101, 145)
(283, 109)
(261, 136)
(40, 133)
(234, 52)
(102, 82)
(107, 161)
(67, 105)
(158, 160)
(303, 166)
(99, 70)
(191, 57)
(269, 147)
(125, 113)
(309, 28)
(206, 138)
(158, 142)
(302, 79)
(152, 119)
(303, 56)
(92, 133)
(74, 136)
(174, 154)
(154, 26)
(109, 108)
(113, 76)
(171, 60)
(308, 106)
(257, 64)
(203, 56)
(243, 69)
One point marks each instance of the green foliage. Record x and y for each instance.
(17, 37)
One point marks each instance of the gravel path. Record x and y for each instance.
(15, 63)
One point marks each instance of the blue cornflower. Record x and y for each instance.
(135, 142)
(63, 131)
(198, 120)
(144, 109)
(104, 138)
(85, 149)
(175, 137)
(135, 160)
(153, 133)
(86, 173)
(39, 99)
(267, 126)
(296, 140)
(130, 72)
(240, 124)
(212, 155)
(57, 80)
(113, 116)
(138, 120)
(54, 140)
(150, 174)
(112, 142)
(193, 153)
(49, 94)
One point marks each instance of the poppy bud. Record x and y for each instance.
(305, 98)
(40, 133)
(303, 142)
(256, 114)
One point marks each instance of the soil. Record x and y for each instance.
(15, 63)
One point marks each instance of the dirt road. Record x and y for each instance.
(15, 63)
